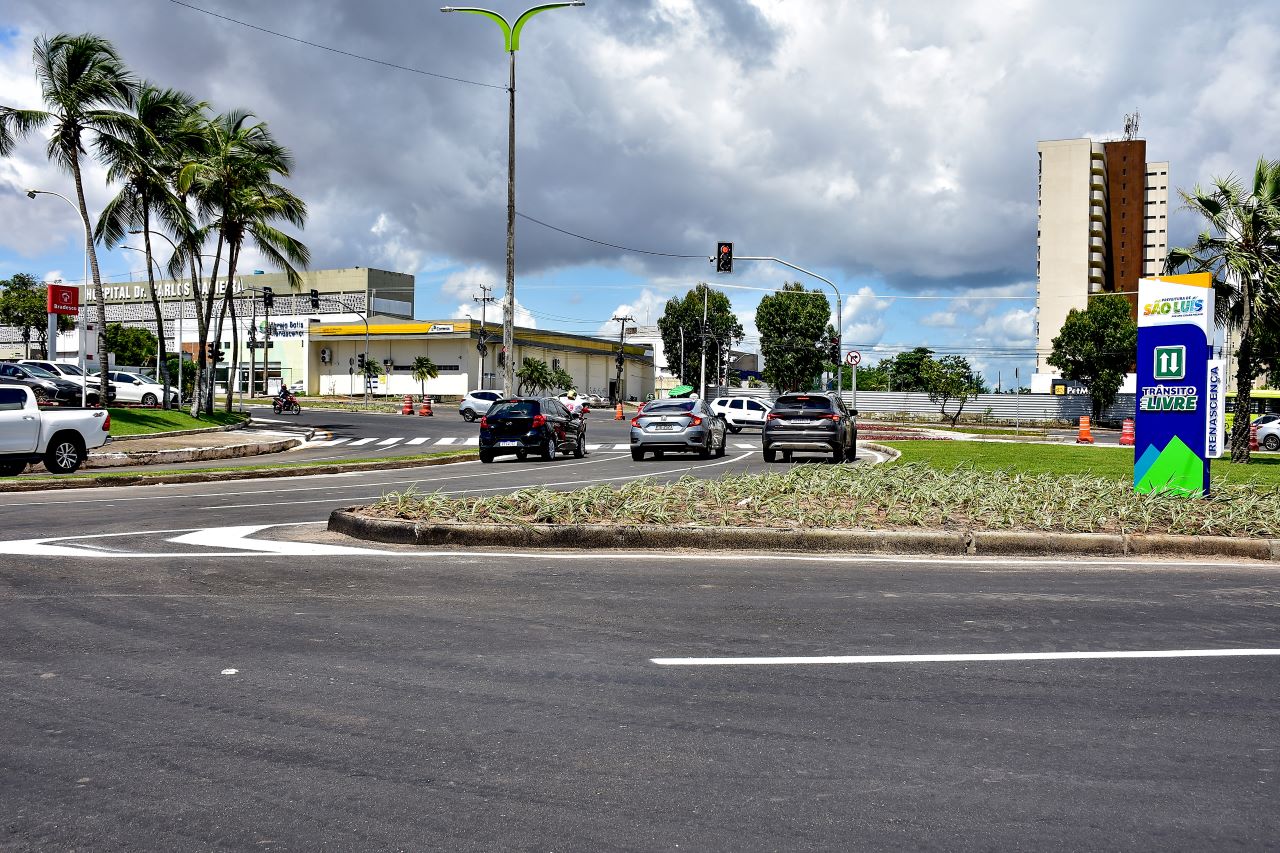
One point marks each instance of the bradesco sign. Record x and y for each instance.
(1181, 393)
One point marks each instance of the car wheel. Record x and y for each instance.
(40, 395)
(580, 449)
(837, 453)
(549, 449)
(12, 469)
(468, 416)
(522, 455)
(770, 455)
(486, 456)
(786, 456)
(149, 399)
(733, 428)
(637, 455)
(658, 454)
(720, 448)
(707, 450)
(64, 455)
(1271, 442)
(851, 453)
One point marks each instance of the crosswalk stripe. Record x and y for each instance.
(418, 440)
(360, 441)
(474, 441)
(389, 441)
(447, 440)
(741, 446)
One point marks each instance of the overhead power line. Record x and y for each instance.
(333, 49)
(600, 242)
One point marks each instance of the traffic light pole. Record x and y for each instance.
(315, 302)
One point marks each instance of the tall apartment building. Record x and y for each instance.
(1102, 225)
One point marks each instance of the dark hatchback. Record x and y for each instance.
(522, 425)
(48, 387)
(810, 423)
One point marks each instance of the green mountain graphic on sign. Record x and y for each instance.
(1177, 470)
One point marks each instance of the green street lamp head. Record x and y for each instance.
(511, 32)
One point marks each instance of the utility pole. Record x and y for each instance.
(482, 345)
(702, 370)
(622, 343)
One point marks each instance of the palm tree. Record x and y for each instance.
(233, 189)
(424, 369)
(1241, 249)
(534, 376)
(85, 86)
(138, 161)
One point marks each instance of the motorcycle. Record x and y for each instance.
(288, 407)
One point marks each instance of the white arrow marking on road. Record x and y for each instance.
(238, 537)
(967, 658)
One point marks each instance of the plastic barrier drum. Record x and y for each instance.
(1126, 433)
(425, 409)
(407, 407)
(617, 415)
(1084, 436)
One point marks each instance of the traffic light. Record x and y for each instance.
(619, 360)
(360, 360)
(724, 257)
(215, 352)
(268, 298)
(315, 299)
(482, 348)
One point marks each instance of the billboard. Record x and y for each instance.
(1180, 398)
(63, 299)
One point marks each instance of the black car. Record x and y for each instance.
(810, 423)
(48, 387)
(523, 425)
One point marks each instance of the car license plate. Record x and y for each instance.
(802, 423)
(666, 427)
(508, 444)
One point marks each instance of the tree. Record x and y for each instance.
(1241, 249)
(22, 304)
(681, 329)
(137, 159)
(561, 378)
(907, 370)
(950, 378)
(85, 86)
(793, 324)
(424, 369)
(1096, 347)
(133, 346)
(533, 376)
(871, 377)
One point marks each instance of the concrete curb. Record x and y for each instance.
(143, 479)
(934, 542)
(189, 454)
(892, 452)
(116, 439)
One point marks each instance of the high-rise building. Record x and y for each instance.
(1102, 225)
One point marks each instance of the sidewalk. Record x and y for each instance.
(232, 444)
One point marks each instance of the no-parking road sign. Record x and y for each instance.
(853, 358)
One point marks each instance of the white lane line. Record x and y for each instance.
(389, 441)
(418, 440)
(447, 440)
(360, 441)
(743, 445)
(968, 658)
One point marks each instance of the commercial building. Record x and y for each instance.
(1102, 224)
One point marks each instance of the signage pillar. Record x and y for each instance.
(1181, 394)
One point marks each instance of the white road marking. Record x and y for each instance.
(447, 440)
(418, 440)
(238, 537)
(742, 445)
(967, 658)
(360, 441)
(229, 671)
(389, 441)
(474, 441)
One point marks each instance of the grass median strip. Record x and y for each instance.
(143, 421)
(901, 496)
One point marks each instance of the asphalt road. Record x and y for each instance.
(203, 666)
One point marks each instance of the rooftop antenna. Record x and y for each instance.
(1131, 125)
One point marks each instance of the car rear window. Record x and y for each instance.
(669, 406)
(804, 402)
(513, 409)
(39, 371)
(12, 399)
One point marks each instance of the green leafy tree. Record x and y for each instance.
(906, 370)
(680, 327)
(1240, 247)
(23, 305)
(794, 328)
(950, 379)
(561, 378)
(533, 376)
(133, 346)
(424, 369)
(871, 377)
(85, 87)
(1096, 347)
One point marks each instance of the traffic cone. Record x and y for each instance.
(1126, 433)
(617, 414)
(425, 409)
(1084, 436)
(1253, 437)
(407, 407)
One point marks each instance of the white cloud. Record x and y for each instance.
(1014, 328)
(494, 314)
(646, 309)
(939, 320)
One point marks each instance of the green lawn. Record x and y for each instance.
(143, 421)
(1114, 463)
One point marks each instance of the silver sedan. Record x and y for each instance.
(677, 426)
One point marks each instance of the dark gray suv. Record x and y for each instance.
(810, 423)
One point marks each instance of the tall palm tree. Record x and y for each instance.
(1241, 249)
(423, 369)
(234, 190)
(86, 87)
(138, 161)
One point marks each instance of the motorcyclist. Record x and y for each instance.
(285, 397)
(571, 402)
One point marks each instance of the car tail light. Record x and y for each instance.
(772, 416)
(539, 421)
(694, 420)
(830, 417)
(106, 423)
(484, 422)
(635, 422)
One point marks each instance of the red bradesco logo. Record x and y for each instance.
(64, 299)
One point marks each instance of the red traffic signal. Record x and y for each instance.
(724, 257)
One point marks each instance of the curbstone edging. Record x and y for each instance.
(892, 452)
(189, 454)
(177, 433)
(348, 521)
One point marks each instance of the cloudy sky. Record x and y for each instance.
(889, 146)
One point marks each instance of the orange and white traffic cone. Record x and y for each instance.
(425, 409)
(406, 408)
(1084, 436)
(617, 415)
(1126, 433)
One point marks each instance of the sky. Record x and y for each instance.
(887, 146)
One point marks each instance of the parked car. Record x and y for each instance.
(47, 387)
(677, 426)
(61, 369)
(524, 425)
(136, 388)
(61, 440)
(810, 423)
(739, 412)
(1269, 431)
(476, 403)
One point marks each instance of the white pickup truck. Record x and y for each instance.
(60, 438)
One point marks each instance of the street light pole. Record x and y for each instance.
(511, 34)
(51, 338)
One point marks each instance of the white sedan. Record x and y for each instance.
(136, 388)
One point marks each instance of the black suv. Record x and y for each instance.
(521, 425)
(810, 423)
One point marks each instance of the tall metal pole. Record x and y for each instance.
(702, 370)
(509, 299)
